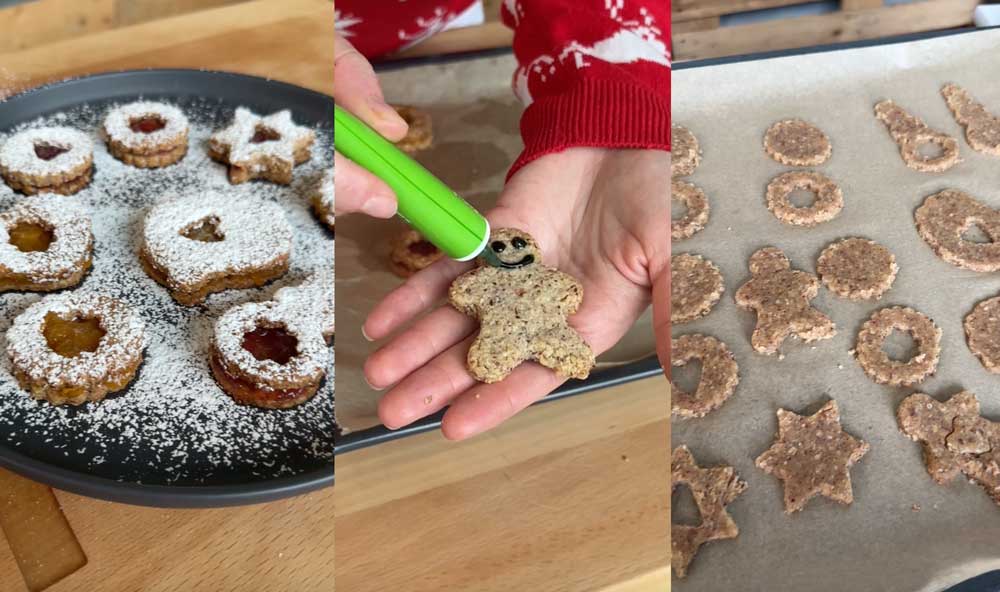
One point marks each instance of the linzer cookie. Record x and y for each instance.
(411, 252)
(877, 364)
(420, 134)
(685, 153)
(146, 135)
(76, 347)
(982, 332)
(695, 287)
(955, 439)
(857, 268)
(713, 489)
(696, 202)
(719, 375)
(780, 296)
(812, 455)
(256, 147)
(45, 244)
(982, 128)
(944, 218)
(797, 143)
(47, 160)
(522, 307)
(911, 134)
(206, 243)
(322, 201)
(828, 202)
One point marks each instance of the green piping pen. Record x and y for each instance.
(426, 203)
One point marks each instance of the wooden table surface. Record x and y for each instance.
(277, 547)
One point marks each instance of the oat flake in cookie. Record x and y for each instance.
(829, 199)
(911, 133)
(146, 135)
(713, 489)
(982, 128)
(695, 287)
(857, 268)
(780, 296)
(943, 219)
(719, 375)
(256, 147)
(812, 455)
(46, 244)
(696, 202)
(797, 143)
(685, 152)
(522, 307)
(47, 160)
(877, 364)
(76, 347)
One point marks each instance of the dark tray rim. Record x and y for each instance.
(163, 496)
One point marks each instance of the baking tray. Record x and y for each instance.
(475, 119)
(828, 547)
(299, 460)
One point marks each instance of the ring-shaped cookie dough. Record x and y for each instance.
(829, 199)
(45, 244)
(883, 370)
(47, 160)
(684, 151)
(857, 268)
(909, 149)
(420, 134)
(797, 143)
(719, 374)
(696, 202)
(982, 333)
(59, 354)
(695, 287)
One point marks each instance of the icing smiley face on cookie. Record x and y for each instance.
(511, 249)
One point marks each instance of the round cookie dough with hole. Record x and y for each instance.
(685, 152)
(877, 364)
(828, 202)
(696, 202)
(797, 143)
(857, 269)
(695, 287)
(719, 375)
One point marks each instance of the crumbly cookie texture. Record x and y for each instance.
(696, 202)
(857, 268)
(827, 204)
(47, 160)
(910, 133)
(695, 287)
(684, 151)
(522, 307)
(955, 439)
(982, 333)
(780, 296)
(713, 489)
(411, 252)
(256, 147)
(982, 128)
(877, 364)
(146, 134)
(812, 455)
(945, 216)
(61, 246)
(719, 375)
(797, 143)
(420, 134)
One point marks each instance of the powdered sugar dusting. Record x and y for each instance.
(239, 137)
(72, 239)
(173, 424)
(118, 126)
(18, 152)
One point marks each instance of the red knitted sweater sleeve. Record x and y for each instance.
(591, 73)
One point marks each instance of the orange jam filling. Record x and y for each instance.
(29, 237)
(206, 231)
(70, 338)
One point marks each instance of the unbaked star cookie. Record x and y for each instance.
(257, 147)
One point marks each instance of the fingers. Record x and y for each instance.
(421, 291)
(420, 343)
(358, 190)
(358, 91)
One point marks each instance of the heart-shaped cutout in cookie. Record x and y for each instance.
(717, 380)
(944, 220)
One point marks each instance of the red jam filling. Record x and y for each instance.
(264, 134)
(423, 248)
(147, 124)
(271, 343)
(48, 151)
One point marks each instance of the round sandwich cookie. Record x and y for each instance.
(47, 160)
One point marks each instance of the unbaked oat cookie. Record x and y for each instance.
(411, 252)
(857, 268)
(695, 287)
(719, 374)
(684, 151)
(696, 202)
(797, 143)
(812, 456)
(713, 489)
(982, 128)
(877, 364)
(911, 133)
(944, 217)
(780, 296)
(829, 199)
(419, 135)
(982, 333)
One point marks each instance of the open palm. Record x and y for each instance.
(599, 215)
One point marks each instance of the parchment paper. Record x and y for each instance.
(880, 542)
(475, 120)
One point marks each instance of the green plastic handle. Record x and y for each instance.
(427, 204)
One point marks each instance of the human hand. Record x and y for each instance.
(356, 89)
(599, 215)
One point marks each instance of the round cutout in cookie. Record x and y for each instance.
(420, 135)
(696, 202)
(857, 268)
(719, 375)
(827, 204)
(46, 244)
(146, 135)
(943, 219)
(982, 333)
(695, 287)
(797, 143)
(685, 152)
(877, 364)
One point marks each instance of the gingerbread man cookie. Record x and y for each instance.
(258, 147)
(522, 307)
(780, 296)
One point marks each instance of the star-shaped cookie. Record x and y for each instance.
(257, 147)
(812, 456)
(713, 489)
